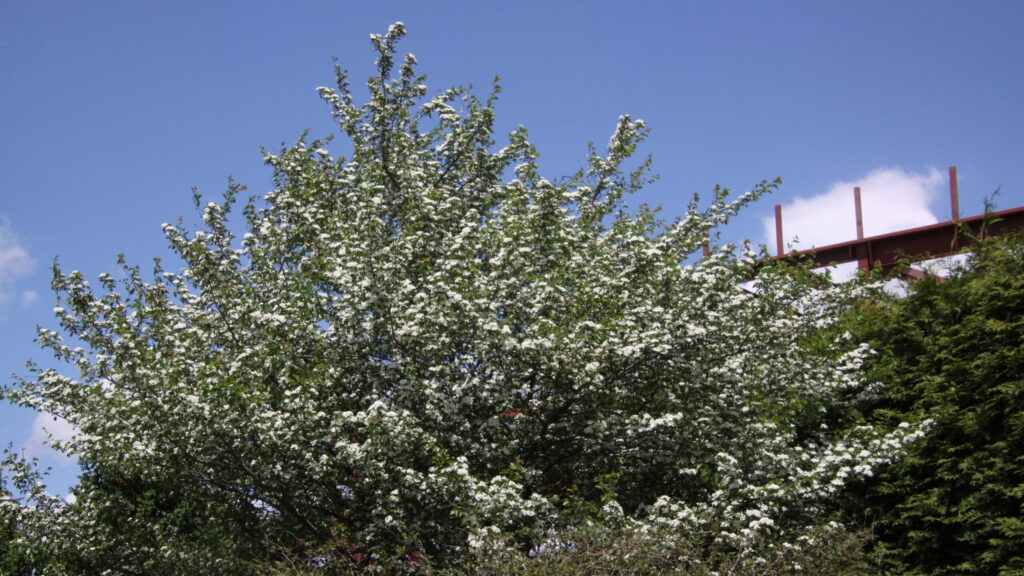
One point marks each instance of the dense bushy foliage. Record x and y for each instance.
(600, 549)
(427, 353)
(953, 351)
(12, 557)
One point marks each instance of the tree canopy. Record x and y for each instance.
(427, 351)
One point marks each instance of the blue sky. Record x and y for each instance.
(111, 111)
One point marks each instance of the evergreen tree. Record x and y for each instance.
(953, 351)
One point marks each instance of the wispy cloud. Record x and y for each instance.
(28, 298)
(891, 199)
(44, 428)
(15, 264)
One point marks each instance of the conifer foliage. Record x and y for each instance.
(953, 351)
(427, 352)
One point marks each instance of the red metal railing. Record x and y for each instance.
(892, 252)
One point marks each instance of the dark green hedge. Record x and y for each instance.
(952, 351)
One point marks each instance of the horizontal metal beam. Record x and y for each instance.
(897, 249)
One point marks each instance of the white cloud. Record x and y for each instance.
(15, 263)
(29, 298)
(891, 199)
(44, 427)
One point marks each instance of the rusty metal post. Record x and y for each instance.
(779, 248)
(858, 212)
(954, 195)
(863, 263)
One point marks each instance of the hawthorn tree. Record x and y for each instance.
(12, 556)
(427, 351)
